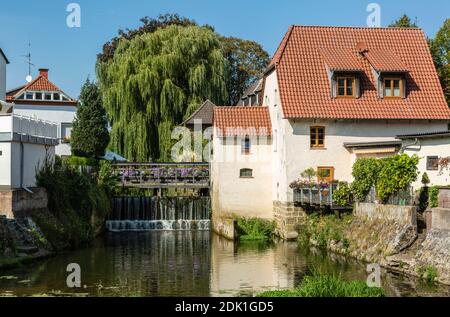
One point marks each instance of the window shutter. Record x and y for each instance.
(357, 87)
(404, 88)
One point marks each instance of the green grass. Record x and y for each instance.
(321, 285)
(255, 229)
(428, 273)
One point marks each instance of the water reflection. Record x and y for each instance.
(189, 263)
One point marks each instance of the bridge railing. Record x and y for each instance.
(160, 175)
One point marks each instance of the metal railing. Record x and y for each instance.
(163, 175)
(402, 198)
(320, 195)
(23, 125)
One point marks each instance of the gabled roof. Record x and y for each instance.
(305, 87)
(4, 56)
(40, 83)
(240, 121)
(204, 113)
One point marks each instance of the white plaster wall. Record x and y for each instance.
(2, 78)
(430, 147)
(5, 164)
(34, 156)
(299, 155)
(232, 195)
(58, 114)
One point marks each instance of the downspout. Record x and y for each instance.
(404, 147)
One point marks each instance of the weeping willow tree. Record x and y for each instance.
(155, 81)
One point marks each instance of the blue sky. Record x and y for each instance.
(70, 53)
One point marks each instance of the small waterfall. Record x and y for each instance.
(159, 213)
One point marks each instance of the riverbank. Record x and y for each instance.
(142, 264)
(388, 237)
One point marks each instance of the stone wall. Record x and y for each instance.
(440, 219)
(402, 215)
(287, 217)
(19, 203)
(444, 197)
(224, 226)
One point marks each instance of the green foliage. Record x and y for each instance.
(75, 203)
(149, 25)
(404, 22)
(440, 50)
(106, 177)
(154, 82)
(365, 173)
(424, 197)
(425, 179)
(343, 195)
(255, 229)
(322, 230)
(247, 60)
(75, 161)
(428, 273)
(433, 193)
(322, 285)
(90, 135)
(396, 174)
(309, 174)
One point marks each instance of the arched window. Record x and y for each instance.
(246, 173)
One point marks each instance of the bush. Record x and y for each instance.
(424, 197)
(365, 172)
(75, 161)
(428, 273)
(396, 174)
(255, 229)
(321, 285)
(433, 193)
(343, 195)
(76, 202)
(106, 177)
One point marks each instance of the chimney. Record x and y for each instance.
(43, 72)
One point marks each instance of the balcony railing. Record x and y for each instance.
(317, 195)
(22, 125)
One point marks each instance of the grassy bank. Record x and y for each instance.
(321, 285)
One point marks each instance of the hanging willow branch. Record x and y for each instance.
(157, 80)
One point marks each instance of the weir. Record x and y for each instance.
(159, 213)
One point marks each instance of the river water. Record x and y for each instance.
(189, 263)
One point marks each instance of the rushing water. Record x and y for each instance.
(189, 263)
(159, 213)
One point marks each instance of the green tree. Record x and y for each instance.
(155, 81)
(247, 61)
(440, 50)
(404, 22)
(149, 25)
(90, 135)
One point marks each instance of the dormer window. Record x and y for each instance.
(346, 87)
(48, 96)
(38, 96)
(56, 97)
(393, 87)
(29, 96)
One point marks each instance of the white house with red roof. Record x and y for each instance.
(332, 94)
(25, 142)
(42, 99)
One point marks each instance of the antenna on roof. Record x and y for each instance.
(29, 78)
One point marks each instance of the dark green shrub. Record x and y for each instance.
(75, 161)
(424, 198)
(433, 193)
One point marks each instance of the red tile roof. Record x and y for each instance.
(240, 121)
(40, 83)
(305, 88)
(340, 59)
(385, 61)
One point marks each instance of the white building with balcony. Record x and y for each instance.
(25, 144)
(41, 99)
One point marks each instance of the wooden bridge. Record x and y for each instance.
(163, 175)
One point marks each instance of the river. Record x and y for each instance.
(189, 263)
